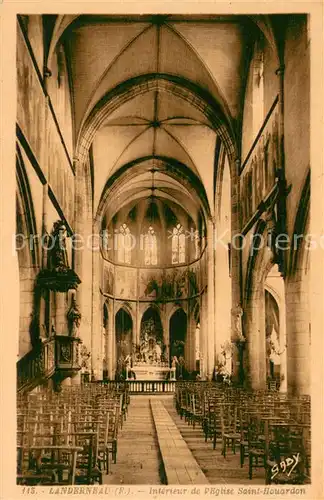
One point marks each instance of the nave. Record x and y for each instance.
(164, 296)
(201, 434)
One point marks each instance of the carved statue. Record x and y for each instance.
(85, 358)
(59, 259)
(237, 316)
(158, 352)
(174, 361)
(74, 318)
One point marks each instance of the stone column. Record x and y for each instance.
(192, 350)
(203, 336)
(166, 331)
(113, 343)
(237, 296)
(255, 347)
(138, 324)
(82, 255)
(283, 344)
(96, 327)
(66, 382)
(137, 316)
(187, 346)
(210, 299)
(109, 343)
(298, 336)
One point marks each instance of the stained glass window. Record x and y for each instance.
(124, 249)
(150, 247)
(178, 245)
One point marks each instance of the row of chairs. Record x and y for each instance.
(70, 437)
(268, 428)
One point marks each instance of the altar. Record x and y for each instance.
(150, 359)
(146, 371)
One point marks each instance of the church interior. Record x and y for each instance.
(162, 209)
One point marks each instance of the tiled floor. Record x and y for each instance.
(138, 459)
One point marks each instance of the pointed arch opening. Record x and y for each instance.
(178, 334)
(275, 329)
(152, 348)
(124, 332)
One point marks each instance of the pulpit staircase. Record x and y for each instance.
(56, 358)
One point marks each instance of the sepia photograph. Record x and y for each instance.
(163, 251)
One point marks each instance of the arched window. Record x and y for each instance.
(124, 248)
(150, 247)
(258, 89)
(197, 244)
(178, 245)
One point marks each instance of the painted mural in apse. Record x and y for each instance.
(125, 282)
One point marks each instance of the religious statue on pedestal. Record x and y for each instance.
(74, 318)
(59, 253)
(158, 353)
(237, 314)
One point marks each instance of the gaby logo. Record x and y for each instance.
(287, 465)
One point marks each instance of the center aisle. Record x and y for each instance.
(138, 457)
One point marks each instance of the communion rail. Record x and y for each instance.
(142, 386)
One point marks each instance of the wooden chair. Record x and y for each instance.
(42, 470)
(286, 441)
(230, 433)
(87, 468)
(113, 433)
(256, 444)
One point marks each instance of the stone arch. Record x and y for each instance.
(174, 308)
(175, 168)
(181, 87)
(273, 292)
(151, 334)
(273, 325)
(26, 213)
(127, 308)
(153, 310)
(178, 326)
(254, 261)
(152, 305)
(124, 326)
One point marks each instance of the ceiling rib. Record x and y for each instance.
(113, 62)
(129, 145)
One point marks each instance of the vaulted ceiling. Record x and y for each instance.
(156, 129)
